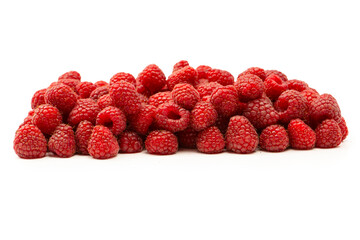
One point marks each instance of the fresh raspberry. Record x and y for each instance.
(179, 65)
(276, 72)
(62, 97)
(185, 95)
(62, 142)
(85, 109)
(297, 85)
(210, 140)
(142, 121)
(203, 116)
(225, 100)
(123, 76)
(220, 76)
(310, 95)
(274, 138)
(301, 136)
(261, 113)
(99, 92)
(183, 75)
(161, 142)
(82, 136)
(102, 143)
(201, 81)
(29, 142)
(202, 71)
(71, 75)
(38, 98)
(84, 89)
(187, 138)
(324, 107)
(105, 101)
(159, 98)
(207, 89)
(249, 87)
(328, 134)
(143, 99)
(241, 136)
(125, 97)
(206, 98)
(29, 118)
(172, 117)
(259, 72)
(47, 118)
(70, 82)
(141, 89)
(130, 142)
(274, 86)
(101, 83)
(291, 105)
(113, 118)
(344, 129)
(222, 123)
(152, 78)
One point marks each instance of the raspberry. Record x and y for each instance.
(183, 75)
(274, 138)
(187, 138)
(291, 105)
(222, 123)
(161, 142)
(159, 98)
(207, 89)
(142, 121)
(38, 98)
(82, 136)
(101, 84)
(71, 75)
(276, 72)
(203, 116)
(241, 136)
(62, 97)
(130, 142)
(261, 113)
(29, 118)
(310, 95)
(301, 136)
(85, 109)
(202, 71)
(105, 101)
(47, 118)
(344, 129)
(324, 107)
(259, 72)
(29, 142)
(143, 98)
(274, 86)
(206, 98)
(210, 140)
(297, 85)
(152, 78)
(125, 97)
(70, 82)
(179, 65)
(84, 89)
(185, 95)
(113, 118)
(62, 142)
(172, 117)
(328, 134)
(201, 81)
(249, 87)
(123, 76)
(225, 100)
(102, 143)
(220, 76)
(99, 92)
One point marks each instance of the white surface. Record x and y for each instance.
(291, 195)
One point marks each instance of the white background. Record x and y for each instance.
(291, 195)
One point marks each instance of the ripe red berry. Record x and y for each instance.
(344, 129)
(179, 65)
(71, 75)
(324, 107)
(249, 87)
(172, 117)
(161, 142)
(301, 136)
(130, 142)
(113, 118)
(274, 86)
(187, 138)
(142, 121)
(125, 97)
(259, 72)
(276, 72)
(207, 88)
(291, 105)
(210, 140)
(159, 98)
(274, 138)
(310, 95)
(328, 134)
(70, 82)
(62, 97)
(82, 137)
(29, 142)
(38, 98)
(122, 76)
(102, 143)
(99, 92)
(225, 100)
(46, 117)
(297, 85)
(101, 84)
(203, 116)
(84, 89)
(202, 71)
(105, 101)
(85, 109)
(62, 142)
(185, 95)
(183, 75)
(220, 76)
(152, 78)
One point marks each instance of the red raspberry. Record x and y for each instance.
(142, 121)
(202, 71)
(38, 98)
(113, 118)
(310, 95)
(143, 99)
(159, 98)
(84, 89)
(297, 85)
(274, 86)
(324, 107)
(28, 119)
(101, 83)
(274, 138)
(152, 78)
(220, 76)
(99, 92)
(82, 137)
(71, 75)
(172, 117)
(105, 101)
(249, 87)
(201, 81)
(291, 105)
(187, 138)
(130, 142)
(206, 98)
(123, 76)
(102, 143)
(125, 97)
(183, 75)
(62, 97)
(47, 118)
(185, 95)
(261, 113)
(210, 140)
(301, 136)
(207, 89)
(328, 134)
(85, 109)
(70, 82)
(259, 72)
(241, 136)
(29, 142)
(179, 65)
(344, 129)
(203, 116)
(62, 142)
(276, 72)
(225, 100)
(161, 142)
(222, 123)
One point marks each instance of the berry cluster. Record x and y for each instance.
(203, 108)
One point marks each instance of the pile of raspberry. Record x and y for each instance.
(202, 108)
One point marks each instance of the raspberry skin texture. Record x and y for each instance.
(172, 117)
(62, 97)
(249, 87)
(274, 86)
(122, 76)
(82, 137)
(310, 95)
(29, 142)
(207, 89)
(344, 129)
(99, 92)
(47, 118)
(102, 143)
(113, 118)
(38, 98)
(210, 141)
(185, 95)
(130, 142)
(324, 107)
(101, 83)
(105, 101)
(142, 121)
(84, 89)
(184, 75)
(297, 85)
(274, 138)
(276, 72)
(187, 138)
(70, 75)
(220, 76)
(85, 109)
(259, 72)
(125, 97)
(28, 119)
(161, 142)
(179, 65)
(203, 116)
(241, 136)
(152, 78)
(328, 134)
(62, 142)
(301, 136)
(225, 100)
(202, 71)
(70, 82)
